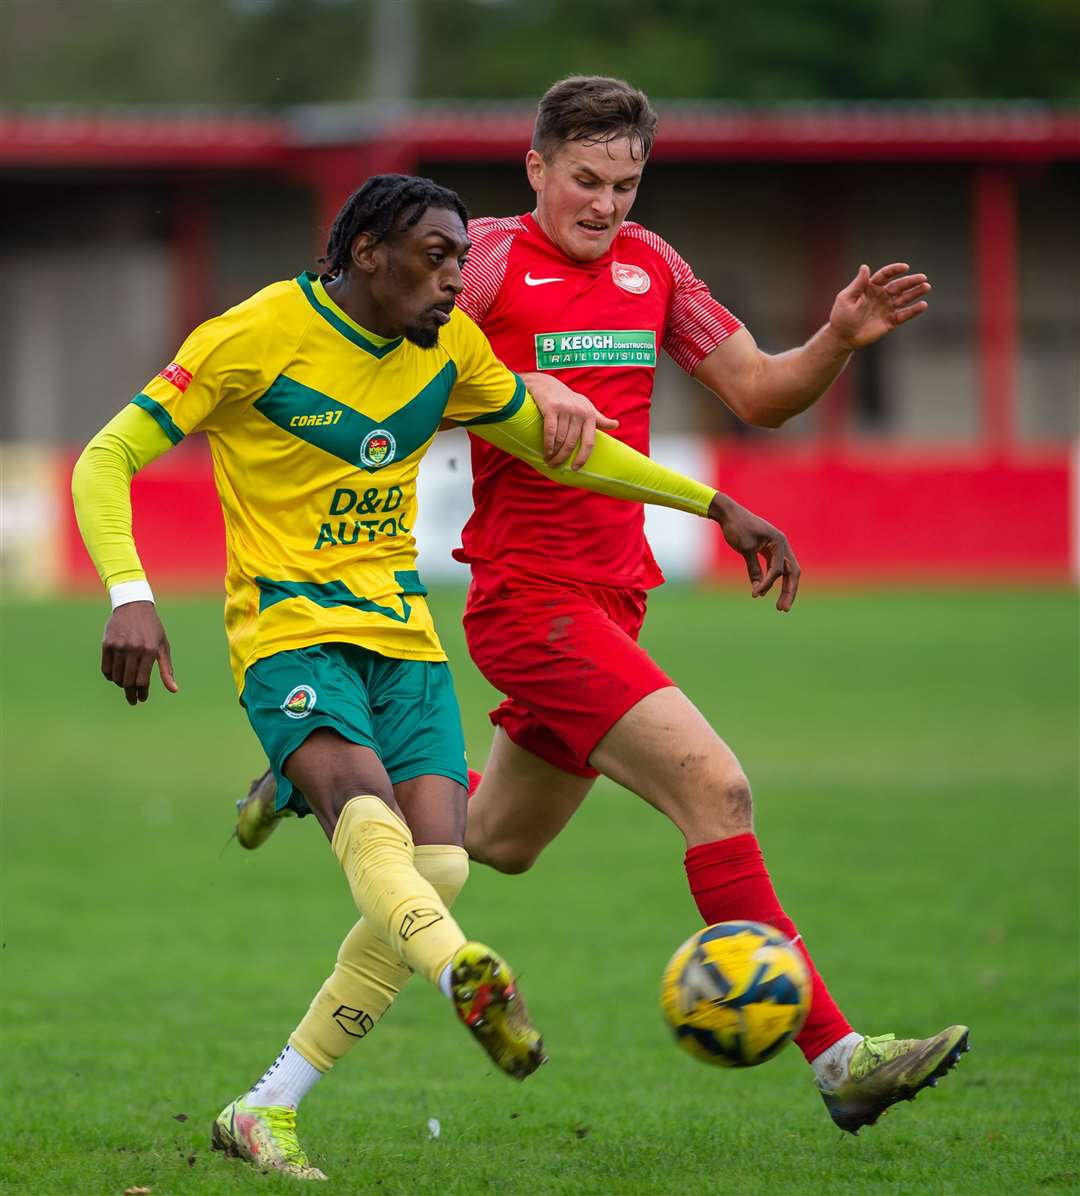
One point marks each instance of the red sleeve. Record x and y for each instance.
(696, 322)
(484, 271)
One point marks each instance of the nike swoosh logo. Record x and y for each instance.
(539, 282)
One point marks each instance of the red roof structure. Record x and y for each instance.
(1000, 133)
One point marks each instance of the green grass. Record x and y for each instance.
(914, 759)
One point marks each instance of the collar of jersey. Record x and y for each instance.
(370, 342)
(600, 263)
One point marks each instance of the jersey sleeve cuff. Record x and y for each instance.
(130, 591)
(160, 416)
(512, 407)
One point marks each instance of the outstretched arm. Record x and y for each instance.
(767, 389)
(570, 420)
(101, 489)
(617, 470)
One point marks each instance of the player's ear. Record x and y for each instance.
(363, 251)
(534, 169)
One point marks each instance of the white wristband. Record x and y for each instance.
(130, 591)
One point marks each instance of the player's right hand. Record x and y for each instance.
(754, 539)
(134, 639)
(569, 418)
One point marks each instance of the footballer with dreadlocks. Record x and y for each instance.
(319, 396)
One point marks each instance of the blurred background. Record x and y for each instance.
(160, 162)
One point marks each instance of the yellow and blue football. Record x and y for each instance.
(735, 993)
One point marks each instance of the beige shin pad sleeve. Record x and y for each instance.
(369, 975)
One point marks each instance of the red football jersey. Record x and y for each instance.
(599, 327)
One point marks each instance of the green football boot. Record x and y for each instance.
(884, 1070)
(256, 818)
(264, 1136)
(487, 1001)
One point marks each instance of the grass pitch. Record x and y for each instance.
(914, 760)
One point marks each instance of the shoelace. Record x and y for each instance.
(282, 1122)
(871, 1052)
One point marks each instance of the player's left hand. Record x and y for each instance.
(872, 305)
(569, 418)
(755, 540)
(133, 643)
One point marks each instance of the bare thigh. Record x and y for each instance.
(434, 808)
(519, 807)
(330, 770)
(664, 750)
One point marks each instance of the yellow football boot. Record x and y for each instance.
(883, 1071)
(264, 1136)
(256, 818)
(488, 1002)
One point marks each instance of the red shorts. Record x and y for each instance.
(566, 655)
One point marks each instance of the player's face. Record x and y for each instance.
(420, 275)
(584, 192)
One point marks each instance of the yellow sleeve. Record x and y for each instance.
(613, 468)
(484, 390)
(101, 490)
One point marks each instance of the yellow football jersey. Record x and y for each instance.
(317, 429)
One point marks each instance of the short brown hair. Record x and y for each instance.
(594, 109)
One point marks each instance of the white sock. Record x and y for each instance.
(444, 982)
(831, 1066)
(285, 1082)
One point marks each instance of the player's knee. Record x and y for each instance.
(725, 807)
(444, 867)
(737, 804)
(512, 859)
(504, 855)
(337, 796)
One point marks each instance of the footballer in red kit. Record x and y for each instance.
(567, 656)
(580, 302)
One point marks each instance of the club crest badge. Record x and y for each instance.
(300, 702)
(377, 448)
(630, 278)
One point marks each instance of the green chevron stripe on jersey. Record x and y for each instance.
(331, 426)
(334, 593)
(511, 408)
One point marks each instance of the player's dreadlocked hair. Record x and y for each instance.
(594, 109)
(386, 203)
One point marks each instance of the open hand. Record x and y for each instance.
(134, 639)
(755, 540)
(569, 417)
(873, 304)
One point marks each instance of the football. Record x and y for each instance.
(735, 993)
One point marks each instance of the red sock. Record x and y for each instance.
(474, 780)
(729, 881)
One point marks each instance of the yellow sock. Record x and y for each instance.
(369, 974)
(376, 852)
